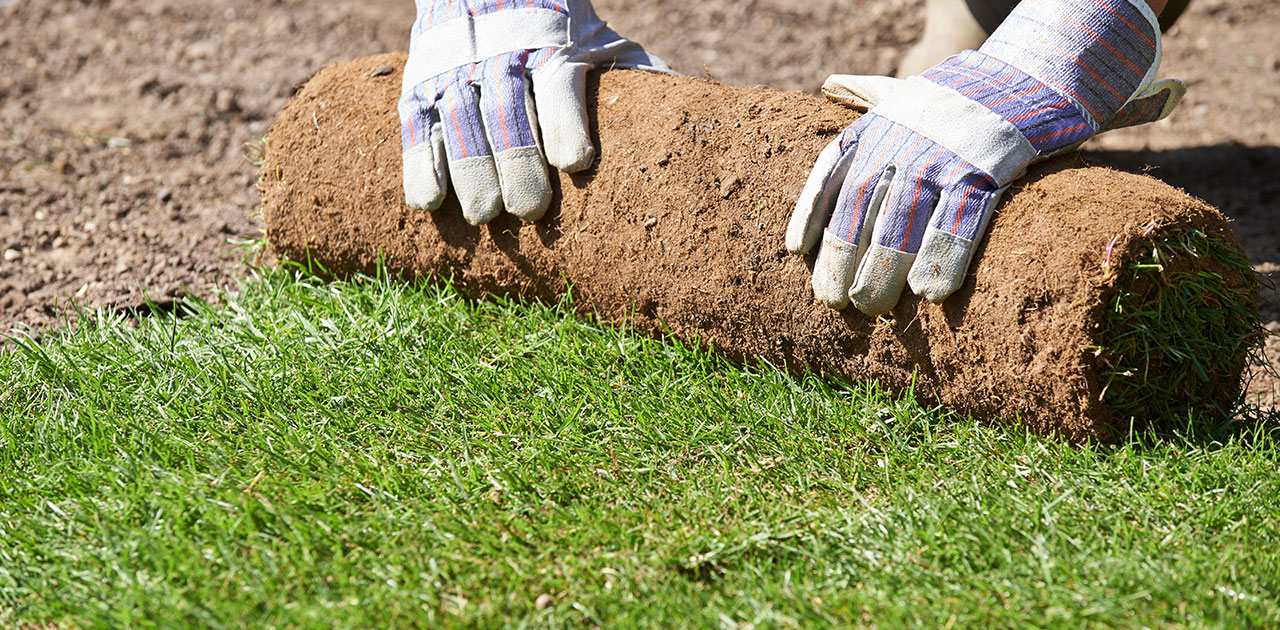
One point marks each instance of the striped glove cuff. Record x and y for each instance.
(1096, 54)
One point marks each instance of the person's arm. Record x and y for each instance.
(1157, 5)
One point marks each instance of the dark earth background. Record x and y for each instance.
(127, 127)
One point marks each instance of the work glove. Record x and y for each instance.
(904, 194)
(478, 71)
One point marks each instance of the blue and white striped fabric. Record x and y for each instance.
(1096, 53)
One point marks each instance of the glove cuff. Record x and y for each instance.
(1097, 54)
(1047, 119)
(469, 39)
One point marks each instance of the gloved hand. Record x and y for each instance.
(906, 192)
(477, 72)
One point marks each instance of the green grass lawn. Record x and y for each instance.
(366, 454)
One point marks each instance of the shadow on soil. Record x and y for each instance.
(1240, 180)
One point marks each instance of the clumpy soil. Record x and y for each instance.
(125, 124)
(677, 230)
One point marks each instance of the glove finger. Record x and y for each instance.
(861, 197)
(900, 227)
(821, 190)
(471, 164)
(859, 92)
(857, 208)
(425, 175)
(953, 236)
(505, 107)
(559, 96)
(1154, 103)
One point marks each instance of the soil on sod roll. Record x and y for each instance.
(678, 229)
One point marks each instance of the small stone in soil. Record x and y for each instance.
(225, 101)
(729, 185)
(381, 71)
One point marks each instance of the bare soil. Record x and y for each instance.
(125, 125)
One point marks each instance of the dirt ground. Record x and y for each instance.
(127, 127)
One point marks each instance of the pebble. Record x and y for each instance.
(11, 255)
(202, 49)
(224, 101)
(728, 185)
(543, 601)
(650, 222)
(381, 71)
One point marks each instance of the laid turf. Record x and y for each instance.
(366, 454)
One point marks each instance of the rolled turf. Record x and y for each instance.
(1100, 299)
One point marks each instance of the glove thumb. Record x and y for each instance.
(859, 92)
(1154, 103)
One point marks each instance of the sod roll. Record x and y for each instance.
(1064, 322)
